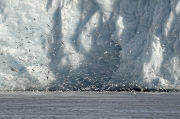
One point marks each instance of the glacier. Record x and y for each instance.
(89, 44)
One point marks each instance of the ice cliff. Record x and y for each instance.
(89, 44)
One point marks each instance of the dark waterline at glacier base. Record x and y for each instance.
(101, 91)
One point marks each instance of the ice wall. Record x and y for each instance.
(89, 44)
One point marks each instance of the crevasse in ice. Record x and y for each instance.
(89, 44)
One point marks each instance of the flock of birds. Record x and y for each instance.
(26, 45)
(98, 66)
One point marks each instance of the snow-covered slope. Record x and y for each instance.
(89, 44)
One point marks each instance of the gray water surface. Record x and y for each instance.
(89, 105)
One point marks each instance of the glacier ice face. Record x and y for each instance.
(89, 44)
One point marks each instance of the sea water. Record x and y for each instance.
(89, 105)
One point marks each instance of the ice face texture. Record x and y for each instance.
(89, 44)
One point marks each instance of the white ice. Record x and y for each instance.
(89, 44)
